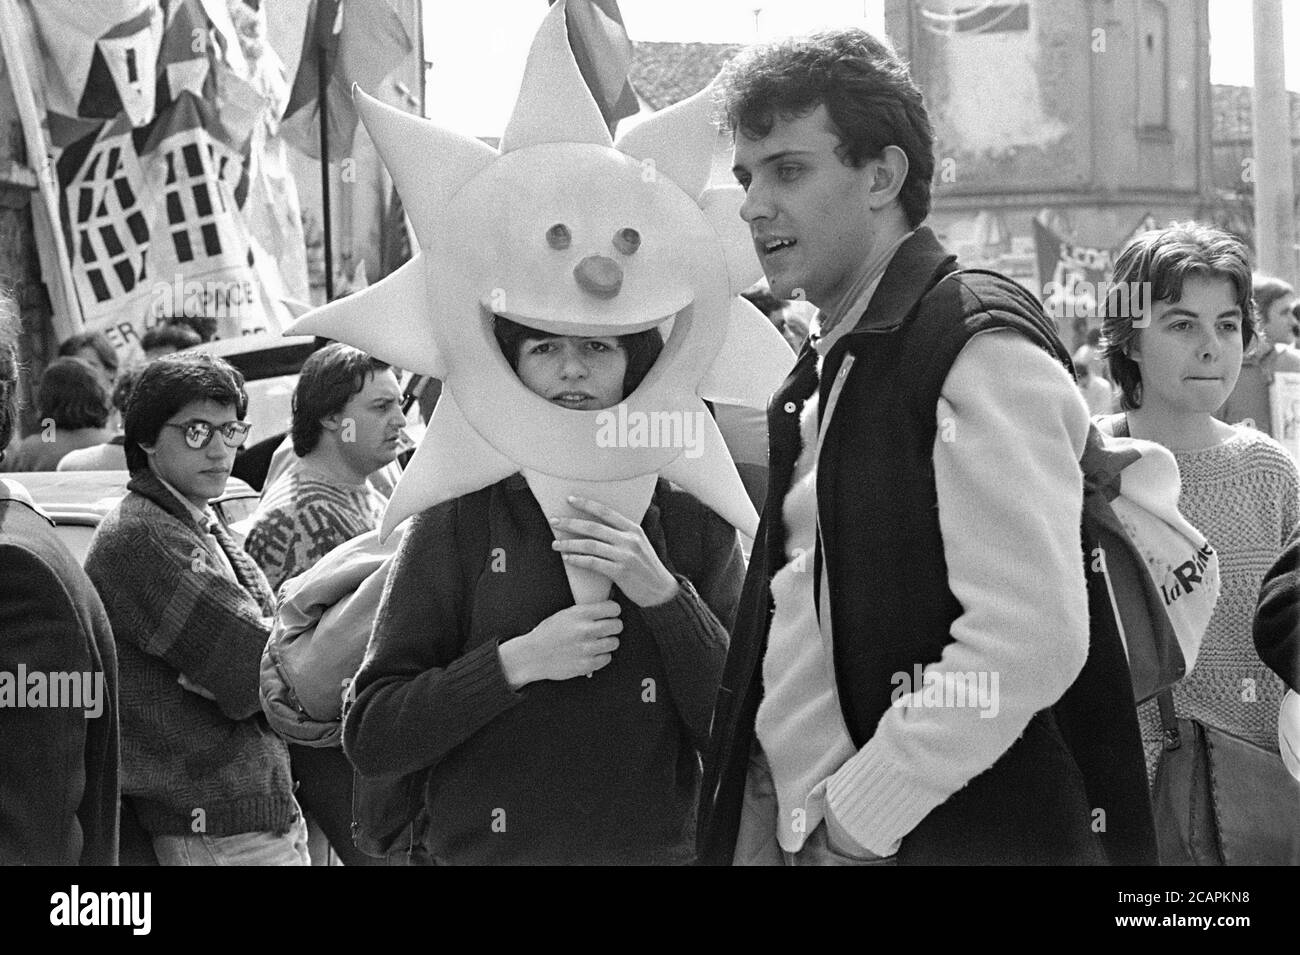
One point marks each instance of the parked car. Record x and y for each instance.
(78, 500)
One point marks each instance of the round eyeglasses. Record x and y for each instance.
(198, 434)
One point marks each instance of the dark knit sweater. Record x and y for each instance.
(190, 764)
(58, 764)
(599, 770)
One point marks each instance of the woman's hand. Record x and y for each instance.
(616, 547)
(576, 641)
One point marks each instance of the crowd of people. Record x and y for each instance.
(920, 525)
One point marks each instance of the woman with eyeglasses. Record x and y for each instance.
(206, 777)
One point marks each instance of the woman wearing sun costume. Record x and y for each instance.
(554, 626)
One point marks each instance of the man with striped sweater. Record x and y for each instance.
(347, 420)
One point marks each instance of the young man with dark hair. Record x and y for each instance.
(347, 422)
(73, 404)
(58, 761)
(921, 528)
(208, 779)
(347, 419)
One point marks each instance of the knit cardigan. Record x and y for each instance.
(190, 764)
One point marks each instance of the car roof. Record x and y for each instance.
(262, 355)
(86, 497)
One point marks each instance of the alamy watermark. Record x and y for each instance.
(211, 298)
(943, 689)
(620, 428)
(1084, 299)
(37, 689)
(75, 907)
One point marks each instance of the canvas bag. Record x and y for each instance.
(1222, 800)
(319, 637)
(1131, 521)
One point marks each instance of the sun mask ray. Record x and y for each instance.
(747, 346)
(554, 104)
(427, 163)
(384, 320)
(677, 142)
(563, 233)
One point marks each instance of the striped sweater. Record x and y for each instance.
(303, 516)
(190, 764)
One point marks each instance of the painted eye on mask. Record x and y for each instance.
(627, 241)
(559, 237)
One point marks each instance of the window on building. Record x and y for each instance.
(1153, 65)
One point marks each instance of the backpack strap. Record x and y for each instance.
(1169, 720)
(474, 546)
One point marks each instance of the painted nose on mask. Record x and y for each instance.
(599, 275)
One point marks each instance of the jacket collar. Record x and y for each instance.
(900, 289)
(145, 483)
(11, 490)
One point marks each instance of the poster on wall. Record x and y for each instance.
(1284, 406)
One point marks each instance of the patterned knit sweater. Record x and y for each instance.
(191, 764)
(1244, 495)
(303, 516)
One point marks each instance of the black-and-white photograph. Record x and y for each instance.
(643, 433)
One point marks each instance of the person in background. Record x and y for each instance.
(95, 349)
(58, 764)
(1239, 487)
(73, 408)
(1276, 301)
(347, 418)
(347, 422)
(202, 325)
(168, 338)
(111, 455)
(205, 775)
(788, 321)
(1096, 390)
(1248, 402)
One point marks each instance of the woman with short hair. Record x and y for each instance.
(549, 732)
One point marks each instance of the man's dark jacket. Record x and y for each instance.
(58, 768)
(1072, 789)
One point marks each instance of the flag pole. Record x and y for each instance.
(325, 181)
(325, 39)
(67, 318)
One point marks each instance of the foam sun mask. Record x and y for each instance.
(568, 232)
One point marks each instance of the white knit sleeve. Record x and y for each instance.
(1011, 429)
